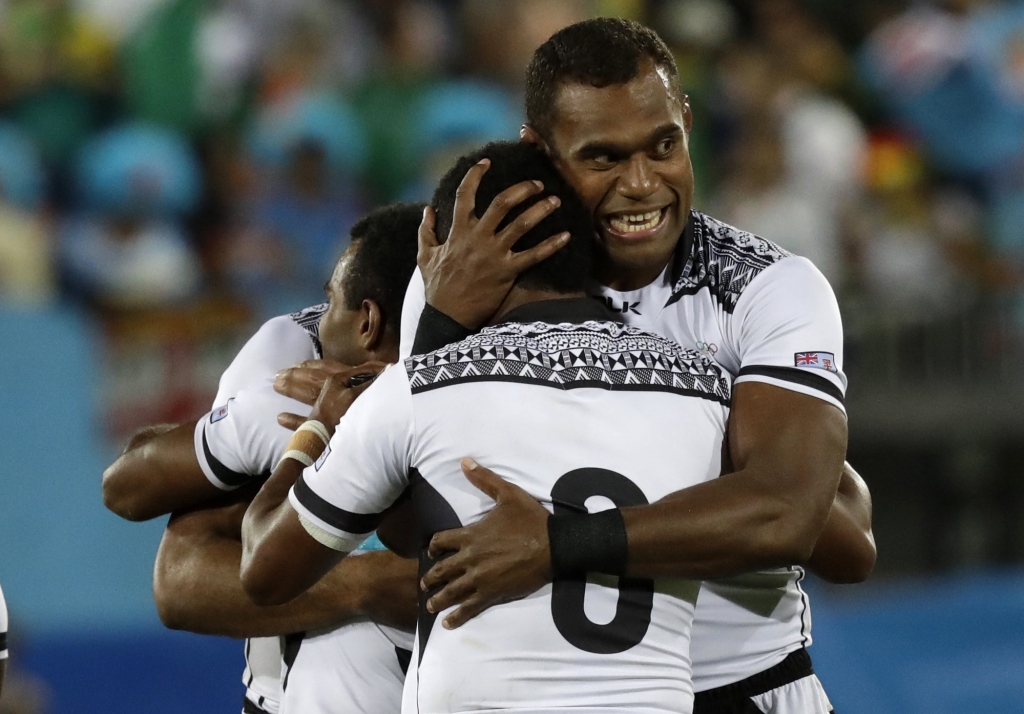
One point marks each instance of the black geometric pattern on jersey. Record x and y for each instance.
(433, 514)
(723, 259)
(251, 707)
(3, 642)
(404, 657)
(289, 653)
(356, 523)
(796, 376)
(594, 354)
(228, 477)
(735, 698)
(308, 318)
(636, 595)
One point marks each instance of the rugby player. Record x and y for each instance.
(603, 101)
(549, 390)
(3, 639)
(330, 658)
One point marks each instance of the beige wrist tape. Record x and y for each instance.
(307, 443)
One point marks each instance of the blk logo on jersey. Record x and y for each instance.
(219, 413)
(816, 360)
(323, 458)
(625, 307)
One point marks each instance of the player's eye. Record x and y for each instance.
(601, 161)
(665, 147)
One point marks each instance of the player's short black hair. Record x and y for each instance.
(384, 246)
(598, 52)
(567, 270)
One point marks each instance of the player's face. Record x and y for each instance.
(624, 148)
(339, 326)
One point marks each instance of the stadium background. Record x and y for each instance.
(172, 172)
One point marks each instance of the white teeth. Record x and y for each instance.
(635, 222)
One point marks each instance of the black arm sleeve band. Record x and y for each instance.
(435, 330)
(582, 543)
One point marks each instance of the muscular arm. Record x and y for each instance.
(280, 560)
(157, 474)
(197, 587)
(845, 551)
(788, 449)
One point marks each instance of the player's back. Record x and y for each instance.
(582, 416)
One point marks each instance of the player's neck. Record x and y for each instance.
(519, 296)
(627, 278)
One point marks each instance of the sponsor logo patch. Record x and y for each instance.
(323, 457)
(816, 360)
(219, 413)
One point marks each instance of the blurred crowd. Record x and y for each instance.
(160, 153)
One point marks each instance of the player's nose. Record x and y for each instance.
(638, 180)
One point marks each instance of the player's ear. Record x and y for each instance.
(371, 327)
(687, 113)
(529, 135)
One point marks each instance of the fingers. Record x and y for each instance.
(527, 220)
(300, 383)
(445, 542)
(506, 201)
(290, 421)
(472, 607)
(454, 593)
(529, 258)
(425, 237)
(325, 365)
(442, 573)
(484, 479)
(465, 195)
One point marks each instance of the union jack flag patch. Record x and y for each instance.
(217, 414)
(816, 360)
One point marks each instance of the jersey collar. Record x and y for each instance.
(683, 249)
(574, 310)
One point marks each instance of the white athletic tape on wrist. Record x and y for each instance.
(301, 456)
(317, 428)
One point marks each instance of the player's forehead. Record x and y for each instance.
(342, 268)
(619, 114)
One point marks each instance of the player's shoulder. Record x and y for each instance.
(722, 258)
(593, 353)
(280, 342)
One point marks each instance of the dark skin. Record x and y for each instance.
(197, 589)
(624, 149)
(280, 559)
(158, 472)
(196, 583)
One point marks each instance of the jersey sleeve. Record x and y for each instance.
(789, 332)
(412, 308)
(3, 626)
(279, 343)
(241, 439)
(341, 498)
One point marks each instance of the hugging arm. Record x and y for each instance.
(158, 473)
(788, 450)
(197, 588)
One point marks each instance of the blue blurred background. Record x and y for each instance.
(173, 172)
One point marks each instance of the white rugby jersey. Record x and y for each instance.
(243, 437)
(3, 626)
(764, 315)
(358, 667)
(281, 342)
(583, 413)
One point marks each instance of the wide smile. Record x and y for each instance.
(636, 226)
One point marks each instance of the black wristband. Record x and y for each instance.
(588, 543)
(435, 330)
